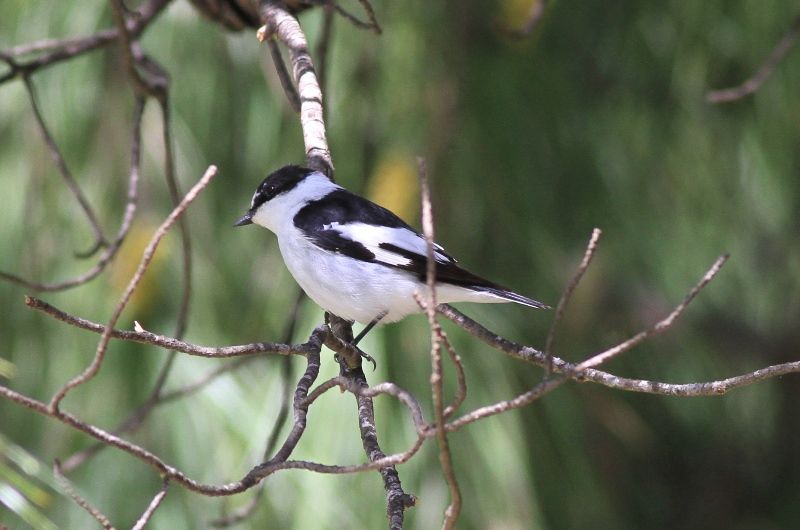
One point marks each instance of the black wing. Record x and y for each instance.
(348, 224)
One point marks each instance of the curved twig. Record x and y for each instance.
(776, 56)
(70, 48)
(127, 220)
(149, 251)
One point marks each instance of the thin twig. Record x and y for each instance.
(461, 389)
(660, 326)
(371, 24)
(373, 20)
(55, 153)
(140, 414)
(141, 84)
(74, 47)
(568, 290)
(586, 373)
(776, 56)
(283, 415)
(136, 419)
(323, 46)
(80, 501)
(127, 220)
(145, 337)
(578, 371)
(94, 366)
(445, 458)
(522, 400)
(151, 508)
(283, 75)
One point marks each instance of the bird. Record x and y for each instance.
(355, 258)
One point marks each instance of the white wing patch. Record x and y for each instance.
(372, 236)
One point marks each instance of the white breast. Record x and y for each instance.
(359, 290)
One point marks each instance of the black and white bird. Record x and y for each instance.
(354, 258)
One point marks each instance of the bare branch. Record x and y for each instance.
(66, 174)
(283, 75)
(577, 372)
(142, 84)
(169, 343)
(522, 400)
(592, 375)
(138, 416)
(127, 219)
(151, 508)
(357, 22)
(776, 56)
(323, 45)
(445, 458)
(658, 327)
(69, 48)
(92, 369)
(461, 389)
(373, 21)
(80, 501)
(283, 414)
(278, 21)
(567, 295)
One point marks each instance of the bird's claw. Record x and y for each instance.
(364, 355)
(367, 357)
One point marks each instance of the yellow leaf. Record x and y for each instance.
(515, 12)
(127, 261)
(394, 185)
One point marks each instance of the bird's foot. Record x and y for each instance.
(364, 355)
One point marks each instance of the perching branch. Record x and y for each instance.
(280, 23)
(145, 337)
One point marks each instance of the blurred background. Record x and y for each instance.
(597, 119)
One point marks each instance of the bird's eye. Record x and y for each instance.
(270, 191)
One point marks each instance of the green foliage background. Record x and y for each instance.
(597, 119)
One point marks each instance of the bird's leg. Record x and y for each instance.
(368, 327)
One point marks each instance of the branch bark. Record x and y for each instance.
(278, 22)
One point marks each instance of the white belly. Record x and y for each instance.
(358, 290)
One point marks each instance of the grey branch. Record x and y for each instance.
(445, 458)
(282, 24)
(66, 485)
(149, 251)
(751, 85)
(127, 219)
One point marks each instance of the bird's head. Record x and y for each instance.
(278, 198)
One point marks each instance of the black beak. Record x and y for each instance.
(246, 219)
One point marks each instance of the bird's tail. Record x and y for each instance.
(514, 297)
